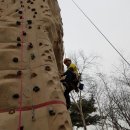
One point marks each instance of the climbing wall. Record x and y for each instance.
(31, 52)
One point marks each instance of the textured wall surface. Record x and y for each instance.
(31, 48)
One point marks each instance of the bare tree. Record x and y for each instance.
(84, 64)
(117, 107)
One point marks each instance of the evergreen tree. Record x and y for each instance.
(88, 107)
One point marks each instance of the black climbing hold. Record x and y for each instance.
(15, 59)
(15, 96)
(32, 56)
(33, 75)
(18, 39)
(33, 9)
(22, 5)
(24, 33)
(40, 44)
(52, 112)
(16, 10)
(21, 2)
(29, 27)
(19, 73)
(21, 17)
(49, 57)
(34, 16)
(31, 2)
(18, 23)
(20, 12)
(41, 6)
(38, 27)
(21, 127)
(28, 1)
(47, 68)
(35, 12)
(30, 46)
(18, 45)
(36, 89)
(29, 21)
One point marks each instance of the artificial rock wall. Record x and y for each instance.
(31, 48)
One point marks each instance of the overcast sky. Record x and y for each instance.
(111, 16)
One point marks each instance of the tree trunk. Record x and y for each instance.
(81, 113)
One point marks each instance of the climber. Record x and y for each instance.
(71, 79)
(71, 75)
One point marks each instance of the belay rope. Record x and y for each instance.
(21, 65)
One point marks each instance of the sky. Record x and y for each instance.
(112, 17)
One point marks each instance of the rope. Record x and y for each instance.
(28, 108)
(21, 66)
(100, 32)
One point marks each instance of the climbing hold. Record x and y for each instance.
(32, 56)
(18, 23)
(19, 73)
(46, 51)
(30, 46)
(47, 68)
(41, 6)
(35, 12)
(43, 54)
(51, 112)
(21, 2)
(28, 1)
(61, 127)
(29, 21)
(33, 9)
(18, 39)
(22, 6)
(36, 89)
(18, 45)
(21, 127)
(49, 57)
(15, 59)
(24, 33)
(29, 27)
(33, 75)
(20, 12)
(38, 27)
(40, 44)
(21, 17)
(15, 96)
(34, 16)
(16, 10)
(12, 111)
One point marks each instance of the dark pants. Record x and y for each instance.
(70, 84)
(67, 97)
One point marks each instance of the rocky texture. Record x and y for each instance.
(31, 48)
